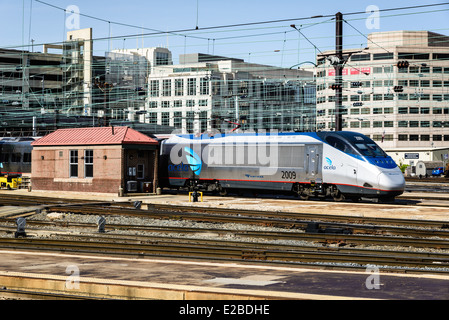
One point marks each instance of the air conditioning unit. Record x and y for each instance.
(131, 186)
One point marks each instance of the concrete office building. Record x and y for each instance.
(30, 83)
(406, 108)
(71, 87)
(41, 89)
(127, 72)
(206, 92)
(81, 93)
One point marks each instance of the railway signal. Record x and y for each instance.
(21, 223)
(138, 205)
(101, 222)
(398, 89)
(403, 64)
(336, 86)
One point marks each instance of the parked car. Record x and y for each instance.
(438, 171)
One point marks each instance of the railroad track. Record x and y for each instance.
(408, 198)
(329, 250)
(292, 220)
(336, 240)
(440, 180)
(232, 251)
(12, 199)
(277, 219)
(422, 239)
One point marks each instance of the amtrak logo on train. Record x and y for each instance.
(194, 160)
(178, 167)
(329, 166)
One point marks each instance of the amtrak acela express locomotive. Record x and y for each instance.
(342, 165)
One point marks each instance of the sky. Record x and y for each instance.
(217, 33)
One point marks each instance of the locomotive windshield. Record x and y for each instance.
(353, 143)
(370, 150)
(364, 145)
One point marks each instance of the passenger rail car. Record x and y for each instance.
(15, 155)
(341, 165)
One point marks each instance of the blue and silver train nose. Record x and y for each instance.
(391, 181)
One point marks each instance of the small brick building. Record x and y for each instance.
(103, 160)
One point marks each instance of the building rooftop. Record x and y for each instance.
(202, 57)
(406, 38)
(94, 136)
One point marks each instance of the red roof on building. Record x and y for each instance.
(94, 136)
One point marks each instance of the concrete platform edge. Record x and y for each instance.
(96, 288)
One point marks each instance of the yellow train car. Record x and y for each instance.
(10, 181)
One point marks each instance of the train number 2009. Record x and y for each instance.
(288, 174)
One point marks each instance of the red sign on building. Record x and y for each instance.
(350, 71)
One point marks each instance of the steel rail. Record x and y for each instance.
(30, 200)
(128, 209)
(179, 212)
(162, 208)
(232, 251)
(324, 238)
(275, 219)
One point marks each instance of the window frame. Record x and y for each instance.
(88, 163)
(73, 163)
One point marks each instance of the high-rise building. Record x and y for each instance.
(41, 91)
(30, 87)
(81, 95)
(127, 72)
(206, 92)
(71, 87)
(396, 90)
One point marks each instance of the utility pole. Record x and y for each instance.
(106, 88)
(338, 71)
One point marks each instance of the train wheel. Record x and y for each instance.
(300, 192)
(223, 192)
(303, 196)
(338, 196)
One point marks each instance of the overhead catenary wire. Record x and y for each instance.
(118, 23)
(259, 26)
(222, 44)
(180, 32)
(345, 21)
